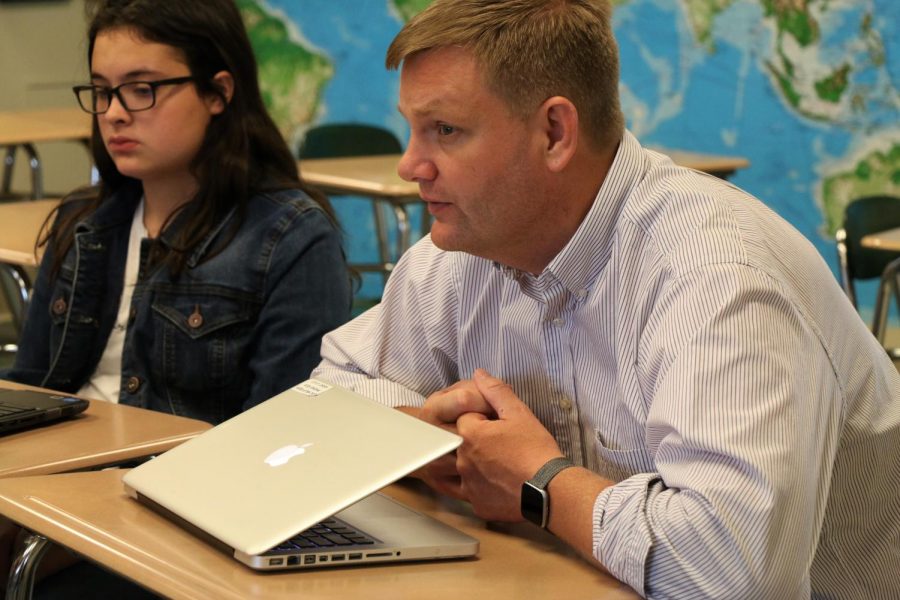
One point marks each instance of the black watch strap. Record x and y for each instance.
(550, 469)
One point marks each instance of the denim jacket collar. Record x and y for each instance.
(120, 207)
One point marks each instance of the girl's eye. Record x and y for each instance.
(141, 89)
(446, 129)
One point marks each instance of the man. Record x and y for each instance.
(736, 429)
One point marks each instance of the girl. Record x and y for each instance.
(198, 277)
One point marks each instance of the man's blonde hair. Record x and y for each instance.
(531, 50)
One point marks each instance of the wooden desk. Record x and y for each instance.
(20, 226)
(714, 164)
(883, 240)
(44, 125)
(364, 175)
(90, 513)
(104, 434)
(376, 176)
(24, 128)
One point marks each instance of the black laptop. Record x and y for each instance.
(20, 409)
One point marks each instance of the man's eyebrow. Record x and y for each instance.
(426, 109)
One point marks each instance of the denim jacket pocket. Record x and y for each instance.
(203, 339)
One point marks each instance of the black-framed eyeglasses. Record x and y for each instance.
(133, 95)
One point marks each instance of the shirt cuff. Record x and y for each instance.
(622, 538)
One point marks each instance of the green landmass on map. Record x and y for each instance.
(410, 8)
(291, 77)
(831, 88)
(702, 15)
(793, 17)
(876, 174)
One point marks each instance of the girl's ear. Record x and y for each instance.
(225, 82)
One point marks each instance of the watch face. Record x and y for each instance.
(534, 504)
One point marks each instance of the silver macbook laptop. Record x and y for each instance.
(292, 483)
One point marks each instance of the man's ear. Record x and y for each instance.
(225, 83)
(559, 119)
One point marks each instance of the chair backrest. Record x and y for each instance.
(334, 140)
(862, 217)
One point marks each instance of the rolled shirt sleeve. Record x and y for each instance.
(743, 423)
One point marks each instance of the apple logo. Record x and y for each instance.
(286, 453)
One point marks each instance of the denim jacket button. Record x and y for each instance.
(196, 319)
(59, 306)
(133, 384)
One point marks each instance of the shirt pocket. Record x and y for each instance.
(618, 464)
(203, 340)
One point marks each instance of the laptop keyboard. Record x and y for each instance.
(330, 533)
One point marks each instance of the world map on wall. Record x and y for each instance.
(807, 90)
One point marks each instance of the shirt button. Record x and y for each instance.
(581, 294)
(559, 321)
(59, 306)
(133, 384)
(565, 404)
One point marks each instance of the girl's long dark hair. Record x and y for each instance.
(243, 152)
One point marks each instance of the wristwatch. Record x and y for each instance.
(535, 503)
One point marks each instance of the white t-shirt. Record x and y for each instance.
(104, 384)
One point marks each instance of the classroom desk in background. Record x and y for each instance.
(883, 240)
(20, 226)
(104, 434)
(376, 176)
(91, 514)
(24, 128)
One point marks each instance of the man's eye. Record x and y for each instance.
(446, 129)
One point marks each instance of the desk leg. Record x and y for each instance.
(34, 162)
(15, 285)
(37, 178)
(21, 575)
(9, 161)
(381, 232)
(402, 228)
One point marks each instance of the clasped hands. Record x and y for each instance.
(504, 444)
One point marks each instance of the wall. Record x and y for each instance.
(42, 53)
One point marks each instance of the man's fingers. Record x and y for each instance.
(498, 394)
(468, 420)
(447, 405)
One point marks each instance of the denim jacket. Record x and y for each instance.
(227, 334)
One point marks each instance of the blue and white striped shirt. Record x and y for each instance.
(690, 345)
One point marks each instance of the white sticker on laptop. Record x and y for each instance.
(312, 387)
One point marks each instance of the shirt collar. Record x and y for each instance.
(119, 209)
(585, 255)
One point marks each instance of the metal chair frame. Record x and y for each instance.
(856, 262)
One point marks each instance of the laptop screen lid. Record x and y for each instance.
(286, 464)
